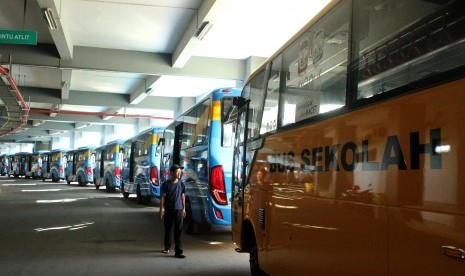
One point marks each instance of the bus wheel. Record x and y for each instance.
(107, 186)
(188, 221)
(54, 179)
(138, 195)
(253, 258)
(97, 187)
(125, 194)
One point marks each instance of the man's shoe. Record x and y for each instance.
(181, 256)
(166, 251)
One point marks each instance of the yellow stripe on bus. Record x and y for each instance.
(154, 139)
(216, 111)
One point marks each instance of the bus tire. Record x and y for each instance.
(97, 187)
(125, 194)
(188, 220)
(138, 195)
(107, 186)
(253, 259)
(54, 179)
(80, 182)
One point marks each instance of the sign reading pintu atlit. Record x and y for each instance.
(18, 37)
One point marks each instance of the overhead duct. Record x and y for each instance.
(101, 114)
(16, 108)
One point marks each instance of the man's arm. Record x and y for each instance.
(162, 206)
(183, 197)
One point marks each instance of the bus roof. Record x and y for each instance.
(114, 142)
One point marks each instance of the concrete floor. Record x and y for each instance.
(58, 229)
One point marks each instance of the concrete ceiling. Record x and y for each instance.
(112, 62)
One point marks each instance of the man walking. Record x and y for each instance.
(173, 209)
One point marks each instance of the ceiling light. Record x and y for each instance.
(48, 15)
(203, 30)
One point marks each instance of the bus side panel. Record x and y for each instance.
(414, 232)
(431, 199)
(382, 184)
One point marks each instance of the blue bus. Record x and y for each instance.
(19, 164)
(108, 165)
(45, 164)
(35, 164)
(54, 168)
(80, 167)
(194, 142)
(5, 164)
(141, 166)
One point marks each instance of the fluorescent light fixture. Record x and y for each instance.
(54, 132)
(37, 122)
(203, 30)
(48, 15)
(81, 125)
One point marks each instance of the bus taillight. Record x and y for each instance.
(217, 185)
(89, 171)
(154, 175)
(60, 169)
(117, 172)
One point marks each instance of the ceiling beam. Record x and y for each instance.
(112, 110)
(90, 58)
(51, 96)
(189, 41)
(65, 83)
(58, 32)
(143, 90)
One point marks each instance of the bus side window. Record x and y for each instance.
(228, 135)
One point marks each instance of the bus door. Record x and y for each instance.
(132, 163)
(239, 172)
(176, 157)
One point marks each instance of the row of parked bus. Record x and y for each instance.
(140, 165)
(71, 165)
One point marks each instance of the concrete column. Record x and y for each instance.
(185, 103)
(102, 136)
(251, 64)
(72, 139)
(109, 134)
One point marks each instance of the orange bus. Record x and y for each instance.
(348, 144)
